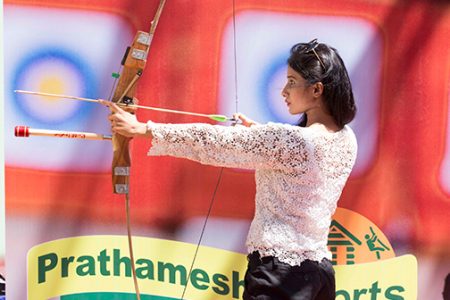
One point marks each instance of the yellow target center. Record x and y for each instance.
(51, 85)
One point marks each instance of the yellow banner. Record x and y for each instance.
(101, 264)
(390, 279)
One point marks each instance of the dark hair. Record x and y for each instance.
(331, 71)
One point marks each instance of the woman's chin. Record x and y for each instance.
(293, 112)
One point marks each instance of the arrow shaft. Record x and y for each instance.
(56, 96)
(169, 110)
(173, 111)
(25, 131)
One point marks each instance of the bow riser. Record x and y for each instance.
(134, 64)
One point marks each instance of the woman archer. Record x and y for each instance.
(300, 171)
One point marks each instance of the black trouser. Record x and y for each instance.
(268, 278)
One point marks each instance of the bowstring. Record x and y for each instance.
(219, 179)
(211, 203)
(235, 60)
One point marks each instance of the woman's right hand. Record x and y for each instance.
(244, 119)
(125, 123)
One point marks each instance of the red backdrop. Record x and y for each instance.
(183, 73)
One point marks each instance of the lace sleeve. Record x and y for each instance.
(275, 146)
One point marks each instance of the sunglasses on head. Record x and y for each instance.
(310, 47)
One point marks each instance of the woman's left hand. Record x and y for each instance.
(244, 119)
(124, 123)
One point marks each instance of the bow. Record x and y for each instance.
(133, 64)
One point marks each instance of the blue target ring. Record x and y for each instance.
(84, 76)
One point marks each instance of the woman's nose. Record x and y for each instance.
(284, 92)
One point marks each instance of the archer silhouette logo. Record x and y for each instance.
(375, 244)
(355, 239)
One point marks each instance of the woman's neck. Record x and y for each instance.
(322, 118)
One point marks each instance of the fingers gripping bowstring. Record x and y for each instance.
(211, 204)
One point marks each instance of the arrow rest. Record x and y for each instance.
(127, 100)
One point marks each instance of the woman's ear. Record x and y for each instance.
(318, 89)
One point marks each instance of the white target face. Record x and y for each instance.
(264, 40)
(58, 51)
(53, 76)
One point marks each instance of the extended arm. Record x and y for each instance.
(273, 146)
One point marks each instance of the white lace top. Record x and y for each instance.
(300, 174)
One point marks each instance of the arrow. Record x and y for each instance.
(218, 118)
(25, 131)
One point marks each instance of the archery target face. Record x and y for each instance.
(53, 72)
(263, 42)
(60, 51)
